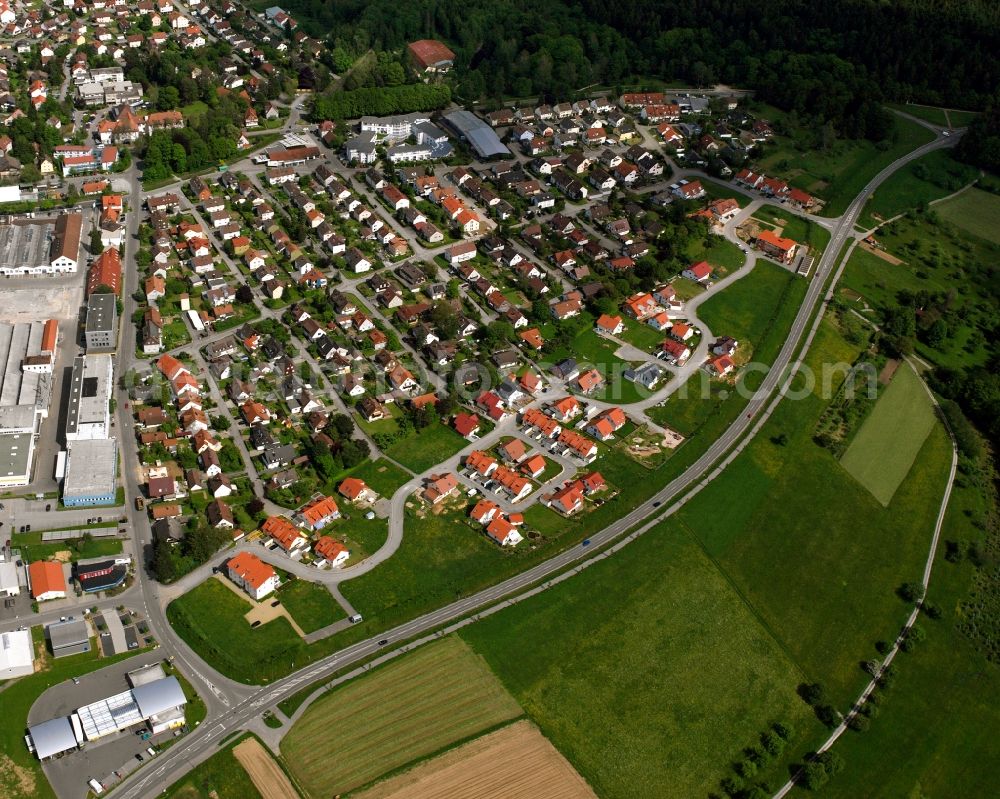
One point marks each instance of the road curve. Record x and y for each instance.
(197, 745)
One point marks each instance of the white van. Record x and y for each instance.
(95, 786)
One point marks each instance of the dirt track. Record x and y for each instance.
(267, 777)
(517, 762)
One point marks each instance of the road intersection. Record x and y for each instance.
(232, 706)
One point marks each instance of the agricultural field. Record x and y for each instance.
(814, 553)
(603, 664)
(220, 776)
(837, 173)
(920, 182)
(264, 772)
(414, 707)
(975, 211)
(882, 453)
(310, 604)
(516, 762)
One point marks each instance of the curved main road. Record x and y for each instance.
(198, 745)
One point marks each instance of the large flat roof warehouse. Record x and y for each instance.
(91, 468)
(480, 136)
(89, 410)
(16, 450)
(17, 656)
(40, 246)
(20, 384)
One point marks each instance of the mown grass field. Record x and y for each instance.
(721, 253)
(648, 671)
(220, 776)
(884, 448)
(929, 178)
(426, 447)
(381, 476)
(310, 604)
(439, 695)
(974, 211)
(210, 619)
(815, 554)
(946, 690)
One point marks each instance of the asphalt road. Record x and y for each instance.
(197, 746)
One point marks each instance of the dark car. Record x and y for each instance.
(275, 603)
(657, 504)
(383, 642)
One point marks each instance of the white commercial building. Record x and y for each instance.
(89, 415)
(17, 654)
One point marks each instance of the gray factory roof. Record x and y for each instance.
(157, 697)
(15, 456)
(101, 312)
(52, 737)
(90, 392)
(480, 136)
(91, 466)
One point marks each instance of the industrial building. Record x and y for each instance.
(47, 246)
(70, 637)
(100, 575)
(480, 136)
(89, 415)
(17, 654)
(91, 472)
(101, 334)
(153, 700)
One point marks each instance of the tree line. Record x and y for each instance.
(382, 101)
(832, 60)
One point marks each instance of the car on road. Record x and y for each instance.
(657, 504)
(355, 619)
(586, 542)
(383, 642)
(48, 507)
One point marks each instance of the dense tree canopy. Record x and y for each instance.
(828, 59)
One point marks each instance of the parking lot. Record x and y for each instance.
(68, 774)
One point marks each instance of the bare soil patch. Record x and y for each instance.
(888, 371)
(517, 762)
(880, 253)
(267, 777)
(15, 780)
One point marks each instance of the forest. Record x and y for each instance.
(826, 59)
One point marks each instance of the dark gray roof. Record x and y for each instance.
(480, 136)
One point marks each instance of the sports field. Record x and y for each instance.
(882, 452)
(516, 762)
(437, 696)
(975, 211)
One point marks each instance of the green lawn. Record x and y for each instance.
(795, 227)
(882, 452)
(426, 447)
(641, 335)
(937, 116)
(380, 476)
(816, 555)
(80, 548)
(311, 604)
(648, 671)
(721, 254)
(940, 258)
(717, 191)
(590, 349)
(974, 211)
(929, 178)
(210, 619)
(839, 173)
(21, 774)
(222, 776)
(407, 710)
(946, 689)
